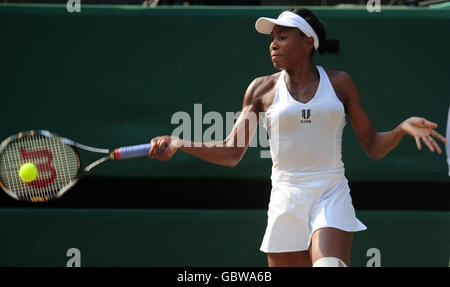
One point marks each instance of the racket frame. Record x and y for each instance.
(75, 147)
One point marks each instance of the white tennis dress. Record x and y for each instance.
(309, 188)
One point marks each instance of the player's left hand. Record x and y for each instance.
(422, 129)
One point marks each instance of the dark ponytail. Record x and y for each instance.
(325, 45)
(332, 46)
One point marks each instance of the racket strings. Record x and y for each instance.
(57, 165)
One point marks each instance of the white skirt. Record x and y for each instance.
(297, 208)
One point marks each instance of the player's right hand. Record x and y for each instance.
(163, 148)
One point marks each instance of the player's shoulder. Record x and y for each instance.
(262, 84)
(339, 77)
(259, 89)
(267, 78)
(342, 82)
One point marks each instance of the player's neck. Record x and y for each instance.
(301, 75)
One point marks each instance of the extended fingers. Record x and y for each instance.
(423, 130)
(432, 144)
(417, 139)
(428, 141)
(436, 146)
(428, 124)
(438, 136)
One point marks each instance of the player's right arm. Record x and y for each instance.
(227, 152)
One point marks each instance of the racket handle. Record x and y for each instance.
(131, 151)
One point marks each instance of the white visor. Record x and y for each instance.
(265, 25)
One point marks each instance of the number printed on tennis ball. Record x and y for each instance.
(28, 172)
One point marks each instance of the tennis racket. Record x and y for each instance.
(57, 161)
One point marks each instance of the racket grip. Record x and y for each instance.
(131, 151)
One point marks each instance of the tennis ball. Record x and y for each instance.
(28, 172)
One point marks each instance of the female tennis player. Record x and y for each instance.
(311, 219)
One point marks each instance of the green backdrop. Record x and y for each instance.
(115, 75)
(137, 237)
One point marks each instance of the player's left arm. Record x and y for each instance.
(378, 144)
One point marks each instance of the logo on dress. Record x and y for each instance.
(306, 114)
